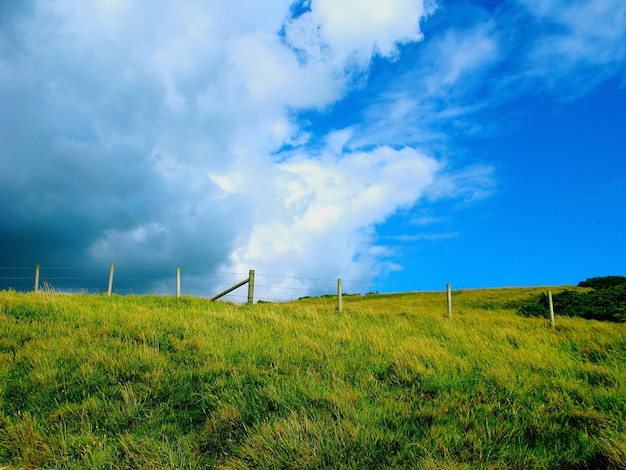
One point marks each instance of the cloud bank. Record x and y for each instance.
(170, 134)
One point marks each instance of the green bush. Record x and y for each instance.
(603, 282)
(606, 302)
(535, 308)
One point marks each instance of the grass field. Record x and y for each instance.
(88, 381)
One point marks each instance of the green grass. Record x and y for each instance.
(156, 382)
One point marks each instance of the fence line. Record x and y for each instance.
(128, 279)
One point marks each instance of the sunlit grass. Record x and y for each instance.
(389, 382)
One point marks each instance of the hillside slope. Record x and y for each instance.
(390, 382)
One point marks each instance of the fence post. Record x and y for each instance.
(551, 309)
(37, 278)
(177, 283)
(339, 295)
(111, 280)
(251, 287)
(449, 289)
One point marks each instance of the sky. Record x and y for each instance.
(399, 145)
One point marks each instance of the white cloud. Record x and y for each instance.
(453, 67)
(559, 48)
(272, 78)
(463, 55)
(364, 27)
(583, 44)
(347, 33)
(325, 209)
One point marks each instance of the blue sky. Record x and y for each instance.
(401, 144)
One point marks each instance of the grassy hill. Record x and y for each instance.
(157, 382)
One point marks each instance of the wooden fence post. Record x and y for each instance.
(551, 309)
(37, 278)
(111, 280)
(251, 287)
(449, 289)
(177, 283)
(339, 296)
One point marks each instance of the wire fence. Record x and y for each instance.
(130, 280)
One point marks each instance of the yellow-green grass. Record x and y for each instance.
(390, 382)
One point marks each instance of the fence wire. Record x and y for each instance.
(130, 280)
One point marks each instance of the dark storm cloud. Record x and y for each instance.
(93, 168)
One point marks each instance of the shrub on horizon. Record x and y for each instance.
(603, 282)
(606, 302)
